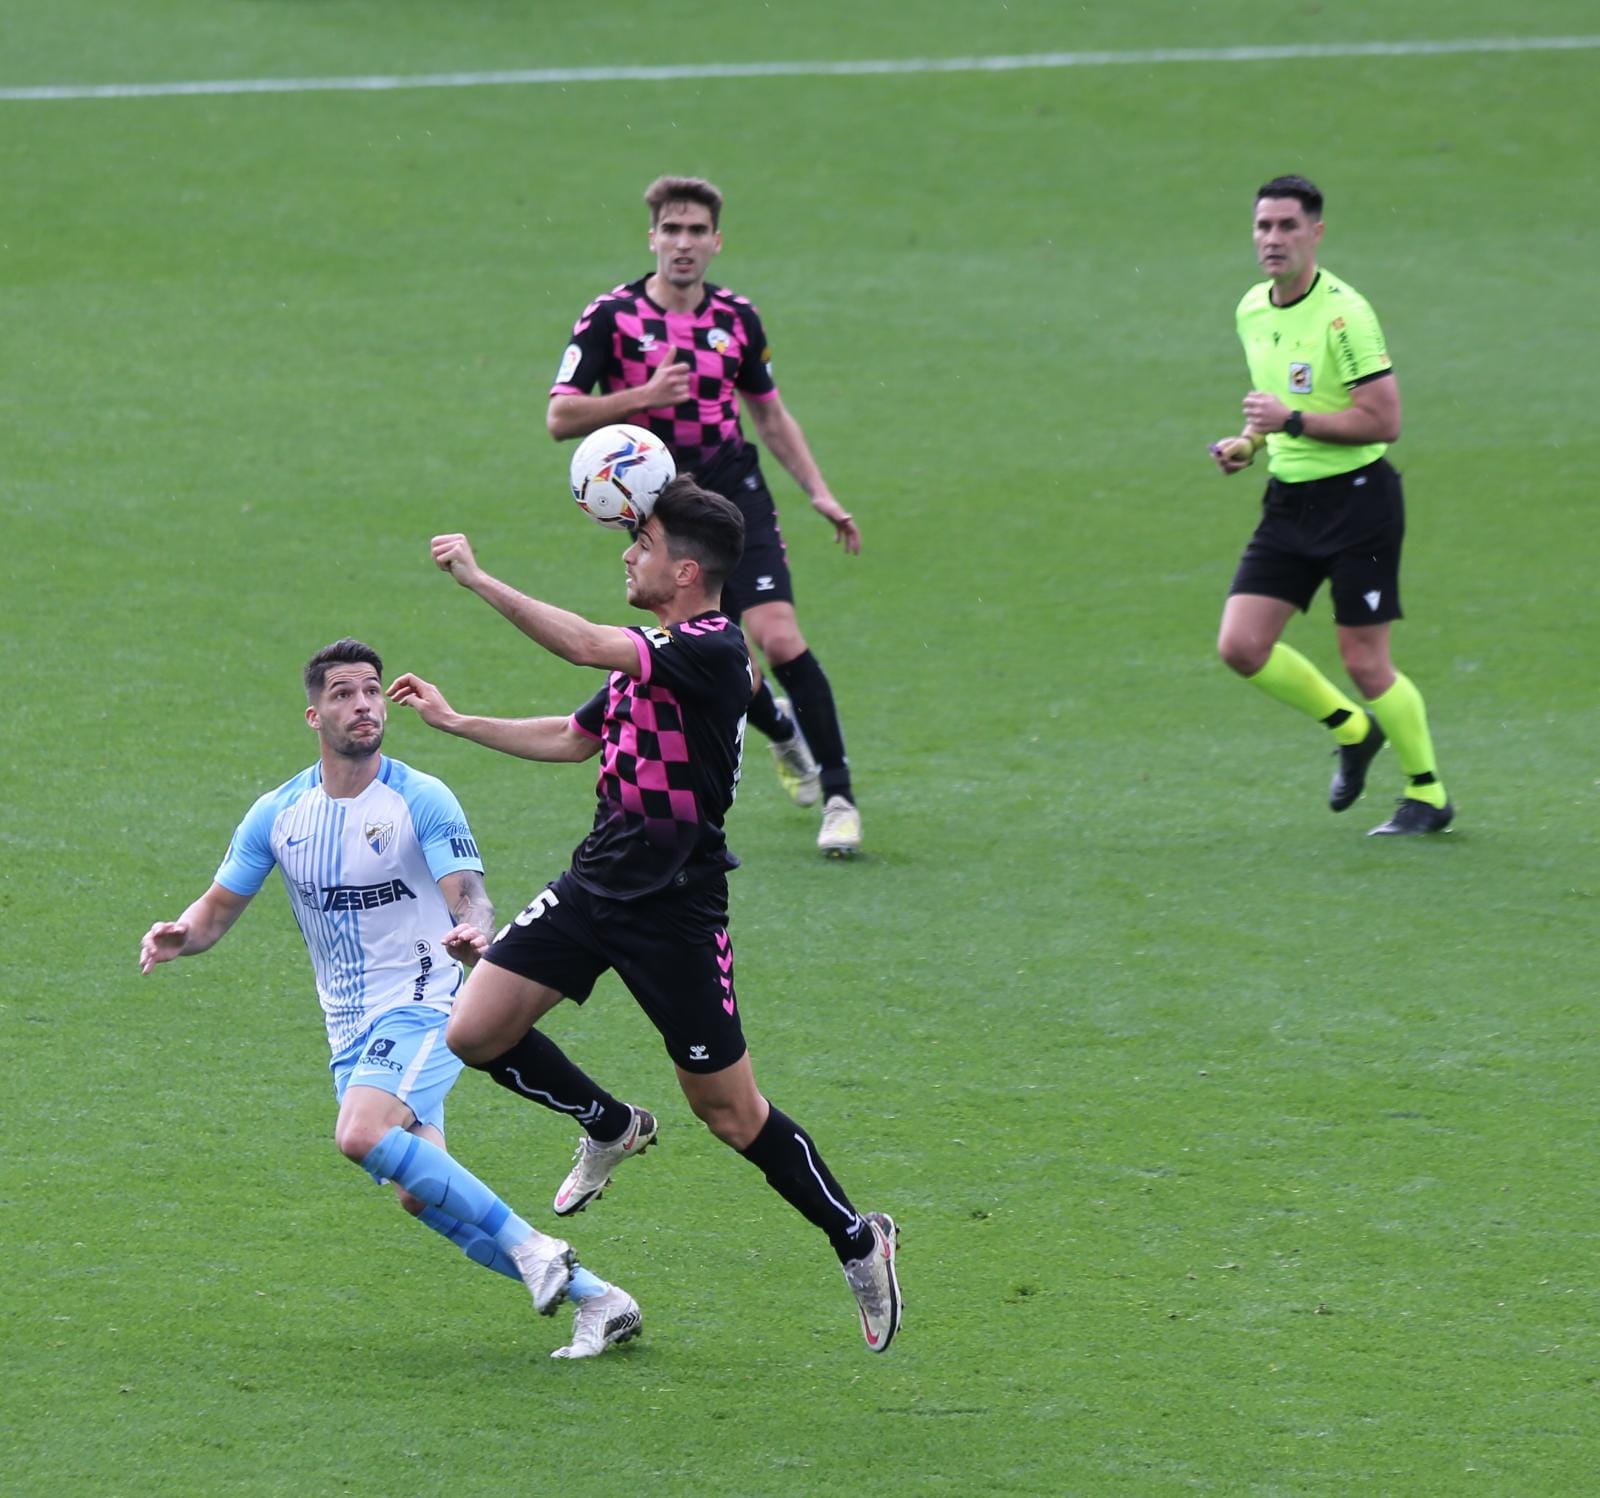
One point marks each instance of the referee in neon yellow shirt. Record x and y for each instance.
(1325, 405)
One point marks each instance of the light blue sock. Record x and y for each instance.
(473, 1242)
(438, 1180)
(585, 1286)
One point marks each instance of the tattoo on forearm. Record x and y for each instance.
(471, 906)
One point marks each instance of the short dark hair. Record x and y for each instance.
(666, 190)
(345, 652)
(701, 525)
(1302, 189)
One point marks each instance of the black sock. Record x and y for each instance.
(807, 686)
(785, 1155)
(536, 1067)
(765, 714)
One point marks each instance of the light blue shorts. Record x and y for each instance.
(403, 1054)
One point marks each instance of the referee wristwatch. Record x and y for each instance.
(1295, 425)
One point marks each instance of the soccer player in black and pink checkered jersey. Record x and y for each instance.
(647, 891)
(674, 353)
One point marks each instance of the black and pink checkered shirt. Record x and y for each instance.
(671, 739)
(623, 338)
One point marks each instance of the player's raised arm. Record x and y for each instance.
(561, 632)
(553, 740)
(200, 927)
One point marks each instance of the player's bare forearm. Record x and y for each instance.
(551, 740)
(467, 899)
(561, 632)
(668, 387)
(781, 435)
(1354, 427)
(783, 438)
(569, 416)
(197, 930)
(1372, 416)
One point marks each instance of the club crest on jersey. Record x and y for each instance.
(379, 835)
(718, 340)
(1299, 378)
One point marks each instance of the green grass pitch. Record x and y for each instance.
(1235, 1153)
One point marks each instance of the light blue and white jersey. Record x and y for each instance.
(362, 876)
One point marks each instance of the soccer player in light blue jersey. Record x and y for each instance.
(385, 881)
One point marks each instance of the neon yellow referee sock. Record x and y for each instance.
(1290, 678)
(1405, 720)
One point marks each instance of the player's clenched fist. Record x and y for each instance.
(453, 554)
(668, 386)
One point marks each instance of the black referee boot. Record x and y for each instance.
(1412, 816)
(1350, 779)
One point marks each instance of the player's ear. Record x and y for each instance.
(311, 716)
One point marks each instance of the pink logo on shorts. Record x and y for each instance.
(725, 962)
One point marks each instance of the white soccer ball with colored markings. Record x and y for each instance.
(617, 472)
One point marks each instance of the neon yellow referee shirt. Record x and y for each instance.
(1311, 355)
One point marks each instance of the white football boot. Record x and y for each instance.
(798, 771)
(602, 1322)
(595, 1162)
(545, 1265)
(840, 836)
(876, 1287)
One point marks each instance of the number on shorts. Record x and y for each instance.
(534, 909)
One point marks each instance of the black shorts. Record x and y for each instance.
(672, 951)
(762, 575)
(1347, 529)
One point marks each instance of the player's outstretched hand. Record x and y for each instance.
(162, 942)
(410, 690)
(466, 943)
(453, 554)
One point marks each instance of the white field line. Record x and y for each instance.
(707, 71)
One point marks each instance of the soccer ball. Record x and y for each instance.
(617, 472)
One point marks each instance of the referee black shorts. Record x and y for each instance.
(672, 951)
(762, 575)
(1346, 529)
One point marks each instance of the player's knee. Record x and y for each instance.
(355, 1139)
(1372, 678)
(1242, 653)
(783, 645)
(734, 1123)
(776, 633)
